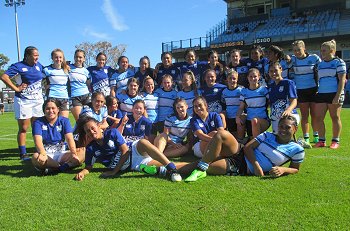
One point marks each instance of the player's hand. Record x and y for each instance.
(80, 176)
(22, 87)
(276, 171)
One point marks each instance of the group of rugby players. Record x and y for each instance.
(136, 118)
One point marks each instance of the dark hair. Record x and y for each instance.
(83, 119)
(289, 117)
(121, 57)
(235, 50)
(275, 63)
(188, 51)
(51, 100)
(278, 51)
(212, 52)
(253, 70)
(109, 100)
(258, 48)
(176, 101)
(95, 94)
(199, 98)
(99, 54)
(148, 60)
(165, 53)
(28, 51)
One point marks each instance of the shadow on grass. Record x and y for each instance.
(21, 170)
(13, 153)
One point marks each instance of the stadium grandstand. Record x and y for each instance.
(278, 22)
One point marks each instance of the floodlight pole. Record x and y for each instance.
(17, 35)
(16, 3)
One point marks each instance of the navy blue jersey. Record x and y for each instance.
(242, 71)
(107, 152)
(213, 96)
(172, 70)
(100, 78)
(31, 75)
(137, 130)
(212, 123)
(197, 68)
(52, 134)
(141, 77)
(115, 114)
(279, 96)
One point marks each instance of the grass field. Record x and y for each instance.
(318, 198)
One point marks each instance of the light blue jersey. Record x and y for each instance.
(256, 102)
(88, 111)
(178, 129)
(230, 99)
(165, 105)
(126, 102)
(78, 76)
(57, 80)
(328, 72)
(120, 80)
(151, 102)
(304, 76)
(188, 96)
(270, 153)
(21, 72)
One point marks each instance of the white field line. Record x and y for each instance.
(11, 135)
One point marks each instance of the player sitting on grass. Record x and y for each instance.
(263, 155)
(109, 148)
(50, 132)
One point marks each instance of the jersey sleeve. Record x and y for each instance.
(260, 138)
(37, 129)
(194, 125)
(67, 128)
(292, 93)
(298, 154)
(218, 121)
(341, 67)
(12, 71)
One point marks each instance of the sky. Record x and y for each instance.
(141, 25)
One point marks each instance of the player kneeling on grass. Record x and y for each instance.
(109, 148)
(265, 154)
(50, 132)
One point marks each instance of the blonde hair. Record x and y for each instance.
(298, 43)
(64, 65)
(230, 72)
(332, 45)
(144, 82)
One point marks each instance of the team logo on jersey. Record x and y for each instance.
(160, 71)
(212, 123)
(128, 126)
(44, 127)
(37, 68)
(24, 69)
(110, 143)
(105, 70)
(201, 125)
(249, 64)
(281, 88)
(97, 153)
(216, 90)
(142, 127)
(173, 72)
(260, 66)
(59, 128)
